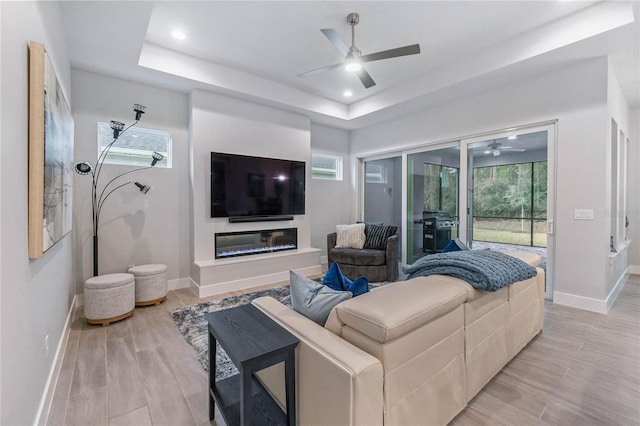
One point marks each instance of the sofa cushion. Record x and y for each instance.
(393, 311)
(362, 257)
(312, 299)
(350, 236)
(376, 236)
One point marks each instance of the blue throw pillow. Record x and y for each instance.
(335, 280)
(452, 246)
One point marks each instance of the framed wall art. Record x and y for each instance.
(50, 155)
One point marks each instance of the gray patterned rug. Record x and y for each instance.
(193, 326)
(191, 323)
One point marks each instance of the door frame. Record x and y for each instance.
(551, 128)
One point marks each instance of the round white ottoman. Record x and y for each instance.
(151, 283)
(109, 298)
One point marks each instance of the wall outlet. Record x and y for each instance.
(583, 214)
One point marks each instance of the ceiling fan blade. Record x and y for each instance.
(320, 70)
(391, 53)
(365, 78)
(334, 38)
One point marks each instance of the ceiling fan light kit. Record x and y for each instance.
(353, 58)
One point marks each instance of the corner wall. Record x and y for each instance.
(329, 199)
(633, 190)
(37, 294)
(135, 228)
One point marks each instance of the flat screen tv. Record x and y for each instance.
(246, 186)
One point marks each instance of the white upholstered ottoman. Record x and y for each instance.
(109, 298)
(151, 283)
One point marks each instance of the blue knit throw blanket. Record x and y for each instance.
(483, 269)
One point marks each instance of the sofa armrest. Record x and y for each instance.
(392, 257)
(336, 382)
(332, 239)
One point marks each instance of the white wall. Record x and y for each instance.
(576, 96)
(633, 190)
(223, 124)
(36, 294)
(135, 228)
(329, 200)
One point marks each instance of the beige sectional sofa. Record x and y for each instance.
(408, 353)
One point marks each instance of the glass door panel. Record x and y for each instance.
(508, 193)
(433, 182)
(383, 192)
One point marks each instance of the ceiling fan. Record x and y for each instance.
(353, 57)
(496, 148)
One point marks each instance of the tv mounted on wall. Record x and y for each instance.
(247, 188)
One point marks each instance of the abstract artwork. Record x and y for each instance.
(50, 155)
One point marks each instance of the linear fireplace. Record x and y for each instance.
(244, 243)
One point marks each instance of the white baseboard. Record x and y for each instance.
(179, 283)
(52, 380)
(634, 269)
(580, 302)
(615, 291)
(601, 306)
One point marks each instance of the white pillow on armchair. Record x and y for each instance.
(350, 236)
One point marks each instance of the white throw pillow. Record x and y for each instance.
(350, 236)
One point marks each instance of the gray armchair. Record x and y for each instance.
(376, 265)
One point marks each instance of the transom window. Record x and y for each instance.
(135, 146)
(325, 166)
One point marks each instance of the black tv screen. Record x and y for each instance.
(244, 186)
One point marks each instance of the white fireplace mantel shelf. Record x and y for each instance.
(216, 276)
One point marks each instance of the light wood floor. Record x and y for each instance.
(584, 369)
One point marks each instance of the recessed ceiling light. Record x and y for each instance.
(347, 93)
(178, 35)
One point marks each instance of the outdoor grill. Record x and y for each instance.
(436, 230)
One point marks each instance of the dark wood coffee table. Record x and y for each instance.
(253, 341)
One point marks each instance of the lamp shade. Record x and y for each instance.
(83, 168)
(143, 188)
(139, 110)
(156, 157)
(117, 128)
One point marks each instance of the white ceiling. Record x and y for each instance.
(254, 50)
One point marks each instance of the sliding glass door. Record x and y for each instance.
(492, 191)
(433, 177)
(383, 192)
(510, 193)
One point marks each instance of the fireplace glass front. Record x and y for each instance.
(244, 243)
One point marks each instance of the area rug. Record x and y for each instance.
(193, 326)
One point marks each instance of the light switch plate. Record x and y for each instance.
(583, 214)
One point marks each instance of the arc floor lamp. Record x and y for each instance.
(100, 193)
